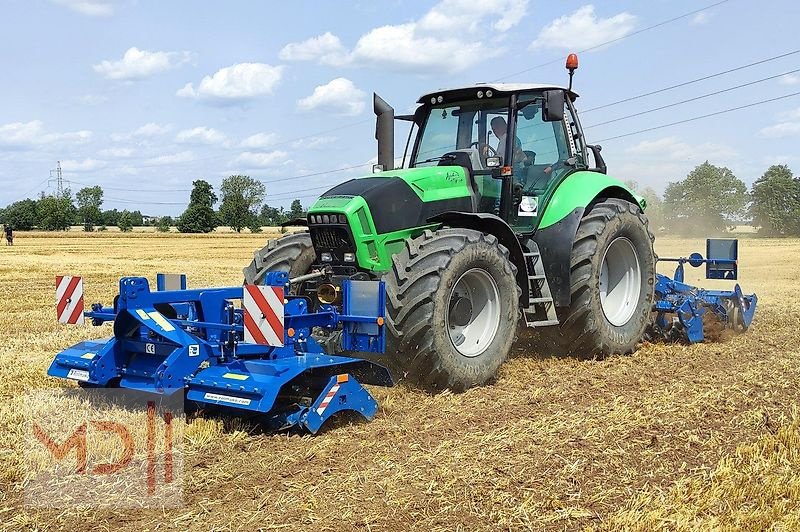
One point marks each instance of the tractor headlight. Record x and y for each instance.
(349, 257)
(326, 219)
(342, 219)
(326, 257)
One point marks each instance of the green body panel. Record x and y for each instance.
(579, 189)
(374, 251)
(434, 183)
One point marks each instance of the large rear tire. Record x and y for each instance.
(452, 309)
(293, 253)
(612, 280)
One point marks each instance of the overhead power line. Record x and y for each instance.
(697, 80)
(637, 32)
(747, 106)
(708, 95)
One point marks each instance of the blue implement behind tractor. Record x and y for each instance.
(198, 342)
(684, 311)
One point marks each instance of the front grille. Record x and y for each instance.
(331, 238)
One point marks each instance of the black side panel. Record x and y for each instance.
(555, 244)
(494, 225)
(394, 205)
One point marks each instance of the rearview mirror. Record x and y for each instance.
(553, 106)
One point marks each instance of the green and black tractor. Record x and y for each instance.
(500, 211)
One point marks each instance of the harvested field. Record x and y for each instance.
(673, 437)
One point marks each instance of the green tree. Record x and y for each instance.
(164, 223)
(296, 210)
(89, 200)
(55, 213)
(241, 197)
(125, 222)
(708, 200)
(272, 216)
(199, 216)
(776, 202)
(110, 217)
(21, 215)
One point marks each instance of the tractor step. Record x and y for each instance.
(541, 311)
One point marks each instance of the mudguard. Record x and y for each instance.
(563, 213)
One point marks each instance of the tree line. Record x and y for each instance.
(241, 206)
(711, 200)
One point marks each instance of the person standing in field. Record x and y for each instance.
(9, 231)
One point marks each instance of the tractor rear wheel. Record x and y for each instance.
(293, 253)
(452, 309)
(612, 272)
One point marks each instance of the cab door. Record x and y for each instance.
(540, 163)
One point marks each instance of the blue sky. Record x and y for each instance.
(142, 97)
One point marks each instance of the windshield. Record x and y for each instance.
(466, 127)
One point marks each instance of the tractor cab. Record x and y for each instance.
(515, 141)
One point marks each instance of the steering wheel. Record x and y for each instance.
(490, 152)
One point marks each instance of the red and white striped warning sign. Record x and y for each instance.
(69, 299)
(263, 315)
(325, 402)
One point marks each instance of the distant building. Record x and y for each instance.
(150, 220)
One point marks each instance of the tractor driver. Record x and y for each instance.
(499, 128)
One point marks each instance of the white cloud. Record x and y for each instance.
(173, 158)
(149, 130)
(200, 135)
(788, 125)
(326, 47)
(582, 30)
(674, 149)
(654, 163)
(86, 165)
(260, 160)
(239, 82)
(448, 37)
(93, 8)
(21, 135)
(790, 79)
(260, 140)
(139, 64)
(117, 153)
(339, 96)
(699, 19)
(312, 142)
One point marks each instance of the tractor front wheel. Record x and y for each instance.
(293, 253)
(452, 308)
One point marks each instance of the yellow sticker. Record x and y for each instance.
(89, 355)
(161, 321)
(142, 314)
(236, 376)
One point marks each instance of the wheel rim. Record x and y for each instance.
(620, 282)
(473, 312)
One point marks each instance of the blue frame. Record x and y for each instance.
(201, 351)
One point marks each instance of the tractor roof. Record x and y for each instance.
(460, 92)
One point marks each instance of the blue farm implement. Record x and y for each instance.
(686, 312)
(260, 358)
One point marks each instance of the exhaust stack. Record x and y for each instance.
(384, 131)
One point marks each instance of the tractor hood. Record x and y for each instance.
(401, 199)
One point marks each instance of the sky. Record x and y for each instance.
(142, 97)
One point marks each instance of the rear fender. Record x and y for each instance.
(562, 216)
(494, 225)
